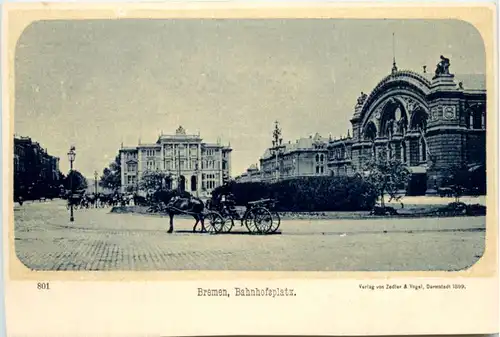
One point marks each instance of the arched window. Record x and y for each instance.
(317, 157)
(419, 120)
(370, 131)
(422, 149)
(403, 152)
(389, 151)
(403, 125)
(193, 183)
(387, 122)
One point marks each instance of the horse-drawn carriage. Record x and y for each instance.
(219, 217)
(258, 216)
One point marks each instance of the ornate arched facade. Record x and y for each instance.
(429, 123)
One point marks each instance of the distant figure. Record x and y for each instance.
(20, 200)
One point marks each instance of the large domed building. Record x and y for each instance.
(428, 121)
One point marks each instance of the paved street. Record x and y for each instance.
(99, 240)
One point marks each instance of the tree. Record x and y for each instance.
(154, 180)
(75, 181)
(458, 179)
(387, 176)
(111, 176)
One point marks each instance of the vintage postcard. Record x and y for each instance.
(217, 169)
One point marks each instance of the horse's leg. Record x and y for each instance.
(202, 219)
(196, 224)
(171, 229)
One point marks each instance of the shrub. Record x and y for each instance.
(475, 210)
(454, 208)
(310, 194)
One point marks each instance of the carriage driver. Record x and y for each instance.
(226, 198)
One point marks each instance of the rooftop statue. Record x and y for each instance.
(443, 66)
(362, 98)
(180, 131)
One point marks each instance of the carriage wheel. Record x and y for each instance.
(249, 223)
(228, 225)
(276, 222)
(263, 220)
(259, 220)
(215, 222)
(228, 221)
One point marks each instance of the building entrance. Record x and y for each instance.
(182, 183)
(417, 184)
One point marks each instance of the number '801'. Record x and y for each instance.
(42, 286)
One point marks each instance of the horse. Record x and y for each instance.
(186, 205)
(139, 200)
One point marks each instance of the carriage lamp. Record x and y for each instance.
(71, 158)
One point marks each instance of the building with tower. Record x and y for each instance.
(193, 165)
(304, 157)
(430, 122)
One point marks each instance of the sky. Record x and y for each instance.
(97, 83)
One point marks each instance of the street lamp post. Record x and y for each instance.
(196, 172)
(71, 158)
(95, 181)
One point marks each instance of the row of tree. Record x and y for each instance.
(391, 177)
(377, 180)
(53, 188)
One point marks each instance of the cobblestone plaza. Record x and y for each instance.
(100, 240)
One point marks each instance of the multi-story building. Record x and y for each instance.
(252, 174)
(303, 158)
(33, 167)
(428, 121)
(193, 165)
